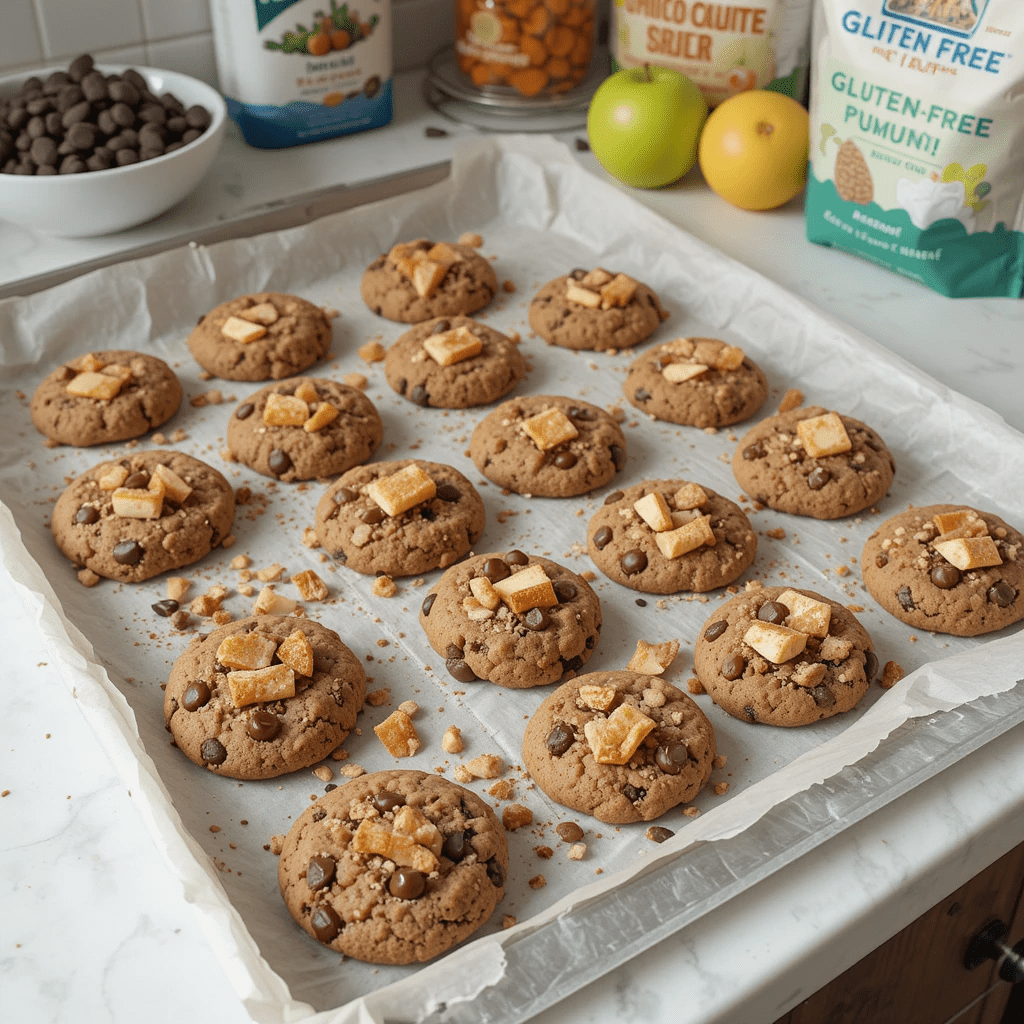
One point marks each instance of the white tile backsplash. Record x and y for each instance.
(174, 34)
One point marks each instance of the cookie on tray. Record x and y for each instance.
(400, 518)
(621, 746)
(135, 517)
(595, 310)
(305, 428)
(783, 656)
(698, 382)
(395, 867)
(667, 536)
(516, 620)
(813, 462)
(422, 279)
(453, 363)
(948, 569)
(263, 336)
(105, 397)
(263, 696)
(548, 445)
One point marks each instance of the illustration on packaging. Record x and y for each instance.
(919, 128)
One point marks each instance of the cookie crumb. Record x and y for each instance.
(508, 286)
(372, 352)
(695, 686)
(719, 761)
(384, 586)
(508, 920)
(309, 538)
(398, 734)
(577, 851)
(537, 882)
(410, 707)
(470, 238)
(180, 619)
(240, 562)
(323, 773)
(271, 574)
(544, 852)
(652, 659)
(359, 381)
(502, 789)
(776, 534)
(891, 675)
(486, 766)
(691, 812)
(276, 845)
(311, 586)
(516, 816)
(341, 754)
(721, 788)
(451, 742)
(792, 399)
(88, 578)
(353, 771)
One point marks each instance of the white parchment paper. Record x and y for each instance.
(539, 215)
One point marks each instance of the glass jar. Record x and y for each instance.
(529, 47)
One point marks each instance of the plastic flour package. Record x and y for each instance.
(917, 139)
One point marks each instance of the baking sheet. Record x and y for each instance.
(539, 215)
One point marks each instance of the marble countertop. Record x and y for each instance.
(94, 928)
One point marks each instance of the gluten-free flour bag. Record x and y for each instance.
(724, 46)
(917, 139)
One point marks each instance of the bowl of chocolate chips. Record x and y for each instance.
(93, 149)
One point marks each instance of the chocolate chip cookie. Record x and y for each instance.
(422, 279)
(395, 867)
(305, 428)
(947, 569)
(141, 515)
(548, 445)
(783, 656)
(595, 310)
(621, 746)
(516, 620)
(781, 463)
(105, 397)
(699, 382)
(263, 696)
(441, 524)
(453, 363)
(263, 336)
(666, 536)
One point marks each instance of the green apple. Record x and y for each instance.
(643, 125)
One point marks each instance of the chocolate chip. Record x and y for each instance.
(565, 590)
(642, 395)
(434, 133)
(419, 395)
(459, 670)
(633, 562)
(564, 460)
(137, 481)
(569, 832)
(279, 462)
(536, 619)
(128, 552)
(578, 273)
(658, 833)
(905, 598)
(582, 146)
(750, 713)
(560, 739)
(773, 612)
(343, 495)
(640, 603)
(80, 67)
(945, 576)
(263, 725)
(754, 451)
(733, 666)
(195, 696)
(881, 560)
(613, 497)
(823, 696)
(715, 630)
(373, 515)
(602, 537)
(441, 326)
(165, 608)
(387, 800)
(495, 569)
(496, 873)
(818, 477)
(407, 884)
(428, 603)
(870, 665)
(633, 793)
(325, 923)
(213, 752)
(571, 664)
(449, 492)
(577, 412)
(671, 757)
(87, 515)
(618, 454)
(320, 872)
(244, 411)
(457, 845)
(1001, 594)
(516, 557)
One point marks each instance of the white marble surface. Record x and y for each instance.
(94, 929)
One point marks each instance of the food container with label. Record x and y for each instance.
(296, 71)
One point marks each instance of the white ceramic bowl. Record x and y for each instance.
(102, 202)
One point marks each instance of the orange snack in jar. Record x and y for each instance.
(534, 47)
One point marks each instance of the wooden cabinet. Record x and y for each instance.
(918, 977)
